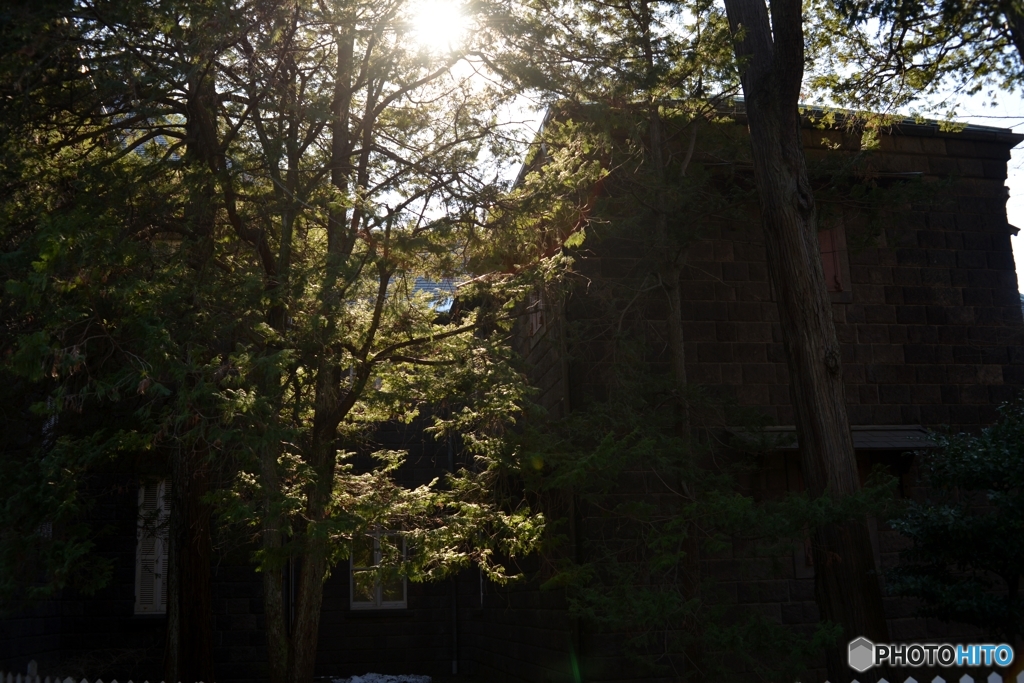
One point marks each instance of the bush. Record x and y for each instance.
(967, 555)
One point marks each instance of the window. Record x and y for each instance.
(369, 586)
(535, 308)
(834, 261)
(151, 548)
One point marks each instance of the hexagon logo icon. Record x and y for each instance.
(861, 656)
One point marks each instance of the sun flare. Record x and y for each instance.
(438, 25)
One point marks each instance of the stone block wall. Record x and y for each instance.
(931, 333)
(523, 633)
(930, 319)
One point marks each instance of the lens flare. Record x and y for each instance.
(438, 25)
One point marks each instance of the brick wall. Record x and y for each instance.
(930, 326)
(523, 633)
(931, 332)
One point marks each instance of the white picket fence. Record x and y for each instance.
(32, 676)
(992, 678)
(20, 678)
(8, 677)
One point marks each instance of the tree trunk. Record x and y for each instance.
(313, 570)
(308, 600)
(1014, 18)
(278, 645)
(668, 253)
(188, 654)
(292, 643)
(331, 404)
(846, 584)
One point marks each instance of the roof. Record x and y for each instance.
(913, 126)
(442, 293)
(865, 437)
(907, 126)
(443, 289)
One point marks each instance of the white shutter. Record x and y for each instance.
(162, 545)
(151, 548)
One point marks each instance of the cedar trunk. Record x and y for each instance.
(278, 644)
(188, 651)
(292, 642)
(188, 654)
(847, 589)
(322, 457)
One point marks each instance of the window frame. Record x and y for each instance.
(838, 257)
(378, 583)
(536, 309)
(840, 288)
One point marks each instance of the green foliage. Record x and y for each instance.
(45, 546)
(202, 263)
(967, 555)
(626, 54)
(643, 517)
(869, 206)
(77, 297)
(881, 57)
